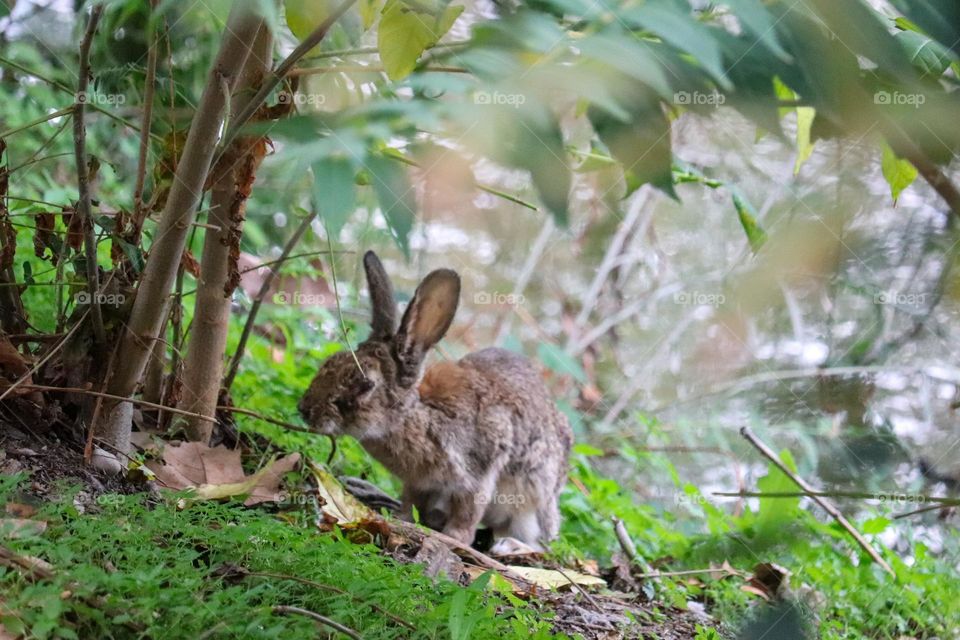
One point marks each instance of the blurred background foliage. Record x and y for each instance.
(695, 216)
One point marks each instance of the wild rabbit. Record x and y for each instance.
(479, 440)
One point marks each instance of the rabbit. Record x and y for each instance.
(478, 441)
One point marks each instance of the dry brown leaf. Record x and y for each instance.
(20, 510)
(43, 235)
(190, 264)
(216, 472)
(769, 578)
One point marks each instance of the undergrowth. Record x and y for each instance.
(136, 570)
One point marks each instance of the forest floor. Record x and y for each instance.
(84, 555)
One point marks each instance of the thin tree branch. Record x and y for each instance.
(258, 300)
(333, 589)
(827, 506)
(64, 88)
(44, 118)
(274, 79)
(83, 178)
(333, 624)
(260, 416)
(858, 495)
(149, 88)
(109, 396)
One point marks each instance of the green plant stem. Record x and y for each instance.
(64, 88)
(44, 118)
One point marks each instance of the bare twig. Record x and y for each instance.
(626, 543)
(345, 68)
(148, 90)
(526, 273)
(827, 506)
(333, 589)
(858, 495)
(44, 118)
(83, 177)
(110, 396)
(68, 90)
(277, 76)
(607, 264)
(261, 295)
(260, 416)
(333, 624)
(22, 380)
(929, 507)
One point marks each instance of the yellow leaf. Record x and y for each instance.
(805, 117)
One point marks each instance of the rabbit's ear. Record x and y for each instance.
(384, 320)
(425, 321)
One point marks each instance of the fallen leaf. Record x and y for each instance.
(215, 473)
(769, 578)
(20, 510)
(553, 579)
(335, 501)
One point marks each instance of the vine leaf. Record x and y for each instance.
(899, 173)
(396, 197)
(405, 33)
(805, 117)
(334, 195)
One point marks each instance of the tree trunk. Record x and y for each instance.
(203, 367)
(146, 318)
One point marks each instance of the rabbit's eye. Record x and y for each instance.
(344, 405)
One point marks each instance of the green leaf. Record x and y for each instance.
(303, 16)
(642, 146)
(928, 56)
(756, 236)
(753, 15)
(396, 197)
(405, 33)
(333, 192)
(535, 144)
(368, 11)
(805, 116)
(680, 29)
(28, 273)
(630, 57)
(559, 361)
(875, 525)
(776, 512)
(898, 172)
(939, 18)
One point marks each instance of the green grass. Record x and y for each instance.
(154, 569)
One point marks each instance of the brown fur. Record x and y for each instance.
(479, 440)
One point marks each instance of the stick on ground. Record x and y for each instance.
(812, 493)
